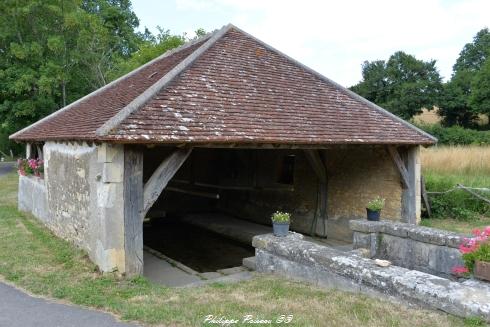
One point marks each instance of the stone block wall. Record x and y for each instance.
(415, 247)
(356, 176)
(34, 197)
(81, 199)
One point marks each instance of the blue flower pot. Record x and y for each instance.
(280, 229)
(373, 215)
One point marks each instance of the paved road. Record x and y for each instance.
(6, 167)
(18, 309)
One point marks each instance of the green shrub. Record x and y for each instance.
(457, 204)
(281, 217)
(376, 204)
(457, 135)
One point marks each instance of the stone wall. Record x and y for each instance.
(296, 258)
(415, 247)
(356, 176)
(34, 197)
(81, 199)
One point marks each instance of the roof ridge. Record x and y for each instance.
(340, 87)
(117, 80)
(150, 92)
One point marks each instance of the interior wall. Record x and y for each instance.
(356, 175)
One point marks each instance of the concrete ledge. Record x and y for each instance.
(414, 232)
(291, 256)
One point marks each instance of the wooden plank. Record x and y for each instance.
(316, 163)
(162, 175)
(425, 196)
(400, 165)
(133, 205)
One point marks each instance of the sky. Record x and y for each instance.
(333, 37)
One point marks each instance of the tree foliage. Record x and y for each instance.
(53, 52)
(152, 47)
(403, 84)
(467, 93)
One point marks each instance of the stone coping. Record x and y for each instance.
(317, 261)
(417, 233)
(33, 178)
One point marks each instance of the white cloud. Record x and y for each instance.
(335, 37)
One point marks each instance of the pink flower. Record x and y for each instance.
(486, 231)
(476, 232)
(469, 245)
(458, 270)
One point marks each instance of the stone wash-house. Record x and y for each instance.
(223, 125)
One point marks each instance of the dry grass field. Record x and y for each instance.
(431, 117)
(445, 166)
(461, 160)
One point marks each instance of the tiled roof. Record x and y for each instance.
(229, 88)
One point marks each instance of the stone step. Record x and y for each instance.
(249, 263)
(231, 271)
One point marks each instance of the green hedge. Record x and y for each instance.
(457, 135)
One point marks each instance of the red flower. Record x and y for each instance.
(458, 270)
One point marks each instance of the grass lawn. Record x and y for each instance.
(33, 259)
(456, 225)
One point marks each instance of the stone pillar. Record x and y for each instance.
(110, 253)
(411, 205)
(28, 150)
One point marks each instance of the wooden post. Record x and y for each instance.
(162, 175)
(425, 196)
(40, 151)
(411, 201)
(133, 207)
(314, 158)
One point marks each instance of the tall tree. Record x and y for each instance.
(52, 52)
(459, 106)
(403, 85)
(150, 48)
(480, 85)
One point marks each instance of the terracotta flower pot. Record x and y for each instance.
(482, 270)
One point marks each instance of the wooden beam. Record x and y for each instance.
(162, 175)
(316, 163)
(425, 196)
(133, 205)
(400, 165)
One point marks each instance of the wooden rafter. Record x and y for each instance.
(162, 175)
(400, 165)
(316, 163)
